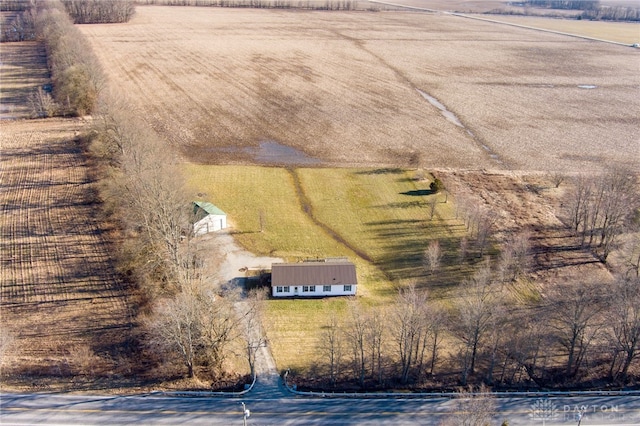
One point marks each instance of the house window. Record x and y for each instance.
(326, 288)
(286, 289)
(305, 288)
(347, 287)
(312, 288)
(279, 289)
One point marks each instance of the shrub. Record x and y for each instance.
(436, 185)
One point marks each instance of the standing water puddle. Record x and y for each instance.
(271, 152)
(443, 109)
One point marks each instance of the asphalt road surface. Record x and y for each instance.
(64, 409)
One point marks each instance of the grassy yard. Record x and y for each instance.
(379, 218)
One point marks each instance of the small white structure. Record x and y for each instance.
(207, 218)
(314, 279)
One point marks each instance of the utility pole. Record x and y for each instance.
(245, 413)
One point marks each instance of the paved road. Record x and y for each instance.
(57, 409)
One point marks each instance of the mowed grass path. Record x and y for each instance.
(378, 218)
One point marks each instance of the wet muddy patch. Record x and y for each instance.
(451, 117)
(268, 152)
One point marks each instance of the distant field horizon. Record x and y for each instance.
(348, 88)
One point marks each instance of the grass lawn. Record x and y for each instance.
(379, 218)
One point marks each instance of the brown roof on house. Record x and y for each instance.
(313, 273)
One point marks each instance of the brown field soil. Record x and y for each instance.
(343, 88)
(61, 300)
(23, 68)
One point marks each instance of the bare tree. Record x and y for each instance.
(156, 204)
(220, 326)
(514, 258)
(433, 256)
(475, 315)
(573, 311)
(624, 326)
(577, 204)
(486, 220)
(599, 209)
(356, 334)
(620, 200)
(176, 327)
(410, 328)
(526, 337)
(631, 255)
(117, 127)
(376, 326)
(331, 347)
(464, 247)
(557, 178)
(437, 324)
(42, 104)
(433, 202)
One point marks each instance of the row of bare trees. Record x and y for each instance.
(600, 209)
(565, 4)
(261, 4)
(480, 222)
(76, 73)
(189, 317)
(581, 330)
(21, 27)
(612, 13)
(99, 11)
(378, 344)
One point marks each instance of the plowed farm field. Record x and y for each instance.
(61, 300)
(364, 88)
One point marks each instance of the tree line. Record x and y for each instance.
(592, 9)
(601, 208)
(99, 11)
(21, 26)
(187, 316)
(612, 13)
(577, 332)
(565, 4)
(76, 74)
(261, 4)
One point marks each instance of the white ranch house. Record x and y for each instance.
(207, 218)
(314, 279)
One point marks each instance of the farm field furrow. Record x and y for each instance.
(24, 70)
(344, 88)
(59, 290)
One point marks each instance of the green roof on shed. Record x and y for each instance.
(208, 207)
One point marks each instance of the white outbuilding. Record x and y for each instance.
(207, 218)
